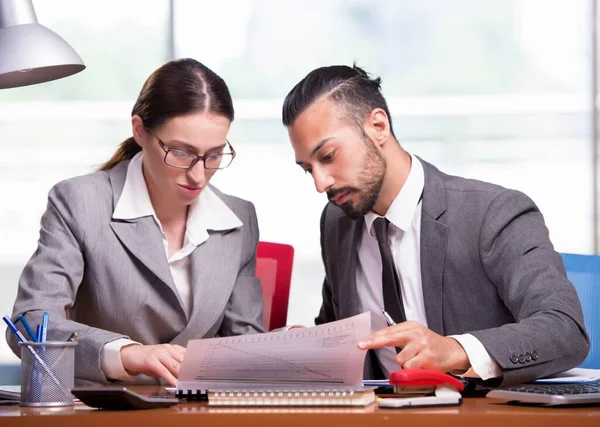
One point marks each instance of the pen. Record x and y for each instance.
(14, 329)
(44, 326)
(36, 356)
(38, 332)
(73, 337)
(390, 322)
(387, 317)
(21, 338)
(25, 324)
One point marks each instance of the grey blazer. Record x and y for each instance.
(488, 268)
(112, 280)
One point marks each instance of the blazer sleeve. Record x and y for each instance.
(244, 310)
(326, 313)
(548, 335)
(51, 278)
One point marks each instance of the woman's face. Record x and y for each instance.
(193, 134)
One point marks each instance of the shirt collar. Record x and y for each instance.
(135, 200)
(208, 212)
(402, 210)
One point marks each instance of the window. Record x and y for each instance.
(68, 127)
(497, 90)
(482, 89)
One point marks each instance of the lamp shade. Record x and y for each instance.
(29, 52)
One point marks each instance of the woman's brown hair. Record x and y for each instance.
(179, 87)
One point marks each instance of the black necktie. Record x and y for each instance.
(392, 295)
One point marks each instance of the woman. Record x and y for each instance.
(144, 254)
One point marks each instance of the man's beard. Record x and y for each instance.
(370, 181)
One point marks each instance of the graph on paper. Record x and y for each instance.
(323, 356)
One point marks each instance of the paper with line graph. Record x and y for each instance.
(324, 357)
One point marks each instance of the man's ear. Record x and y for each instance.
(377, 126)
(140, 134)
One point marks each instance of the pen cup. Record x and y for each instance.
(47, 373)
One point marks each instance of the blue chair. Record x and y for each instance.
(584, 272)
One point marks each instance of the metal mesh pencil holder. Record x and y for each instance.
(47, 373)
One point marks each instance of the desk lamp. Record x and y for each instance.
(29, 52)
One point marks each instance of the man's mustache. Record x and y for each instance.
(332, 193)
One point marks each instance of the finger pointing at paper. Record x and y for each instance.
(421, 347)
(161, 361)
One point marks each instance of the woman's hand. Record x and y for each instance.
(160, 361)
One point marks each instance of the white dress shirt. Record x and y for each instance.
(404, 216)
(208, 212)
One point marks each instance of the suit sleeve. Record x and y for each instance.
(326, 313)
(548, 335)
(244, 311)
(50, 281)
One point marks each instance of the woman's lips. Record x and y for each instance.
(190, 191)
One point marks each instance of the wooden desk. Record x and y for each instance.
(473, 412)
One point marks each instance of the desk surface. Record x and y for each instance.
(473, 411)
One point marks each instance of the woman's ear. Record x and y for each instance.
(140, 134)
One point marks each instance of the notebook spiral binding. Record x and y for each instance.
(201, 395)
(343, 397)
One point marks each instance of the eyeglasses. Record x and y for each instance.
(183, 159)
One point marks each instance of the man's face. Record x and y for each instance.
(343, 162)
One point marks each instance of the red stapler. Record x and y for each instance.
(446, 389)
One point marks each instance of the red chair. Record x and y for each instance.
(274, 269)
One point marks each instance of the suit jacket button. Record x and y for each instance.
(534, 355)
(514, 358)
(528, 357)
(521, 358)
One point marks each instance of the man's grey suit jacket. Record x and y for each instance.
(112, 278)
(488, 269)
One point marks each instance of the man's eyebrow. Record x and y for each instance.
(317, 148)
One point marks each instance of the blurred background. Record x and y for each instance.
(498, 90)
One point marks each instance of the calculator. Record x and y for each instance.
(119, 398)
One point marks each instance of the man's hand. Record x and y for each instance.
(160, 361)
(421, 347)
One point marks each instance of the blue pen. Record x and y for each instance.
(14, 329)
(44, 326)
(27, 328)
(37, 376)
(21, 338)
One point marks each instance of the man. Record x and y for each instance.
(465, 268)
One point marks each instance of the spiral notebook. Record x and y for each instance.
(314, 366)
(340, 397)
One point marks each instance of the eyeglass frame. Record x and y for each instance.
(198, 157)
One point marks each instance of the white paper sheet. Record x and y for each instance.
(575, 375)
(324, 357)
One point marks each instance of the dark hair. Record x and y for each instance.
(179, 87)
(351, 87)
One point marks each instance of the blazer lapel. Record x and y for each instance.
(349, 235)
(434, 239)
(141, 236)
(214, 273)
(143, 239)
